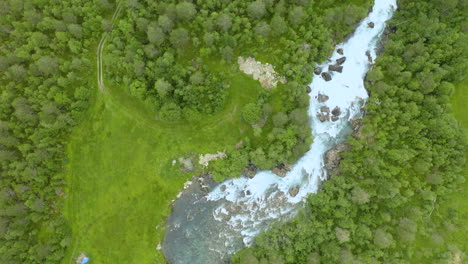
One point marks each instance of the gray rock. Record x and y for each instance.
(339, 51)
(223, 188)
(334, 118)
(323, 117)
(370, 24)
(341, 60)
(369, 57)
(281, 169)
(250, 171)
(326, 76)
(322, 98)
(308, 89)
(293, 191)
(318, 70)
(336, 68)
(336, 111)
(325, 109)
(333, 157)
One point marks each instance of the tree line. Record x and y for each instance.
(45, 85)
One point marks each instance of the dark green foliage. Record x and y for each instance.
(407, 158)
(251, 113)
(191, 47)
(44, 87)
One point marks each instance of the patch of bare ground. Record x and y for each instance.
(264, 73)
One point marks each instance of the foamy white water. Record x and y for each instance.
(251, 204)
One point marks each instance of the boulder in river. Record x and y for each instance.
(281, 169)
(308, 89)
(371, 24)
(322, 98)
(323, 117)
(325, 109)
(334, 118)
(369, 57)
(340, 51)
(341, 60)
(250, 171)
(336, 68)
(293, 191)
(326, 76)
(318, 70)
(336, 111)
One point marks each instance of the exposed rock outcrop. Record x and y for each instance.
(250, 171)
(356, 124)
(293, 191)
(324, 114)
(264, 73)
(187, 164)
(318, 70)
(326, 76)
(333, 157)
(369, 57)
(281, 169)
(341, 60)
(336, 111)
(322, 98)
(336, 68)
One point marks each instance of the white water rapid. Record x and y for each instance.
(244, 207)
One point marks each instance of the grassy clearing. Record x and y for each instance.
(120, 177)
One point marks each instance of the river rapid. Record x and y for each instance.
(209, 228)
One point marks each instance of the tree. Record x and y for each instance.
(251, 113)
(256, 9)
(76, 30)
(47, 65)
(262, 29)
(359, 196)
(224, 21)
(280, 119)
(196, 78)
(165, 23)
(185, 11)
(382, 239)
(170, 112)
(138, 89)
(162, 87)
(155, 35)
(278, 25)
(180, 38)
(227, 53)
(297, 15)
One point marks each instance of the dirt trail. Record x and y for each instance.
(100, 49)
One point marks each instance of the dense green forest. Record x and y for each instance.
(44, 88)
(384, 206)
(178, 61)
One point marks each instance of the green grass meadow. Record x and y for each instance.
(120, 176)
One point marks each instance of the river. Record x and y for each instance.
(209, 228)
